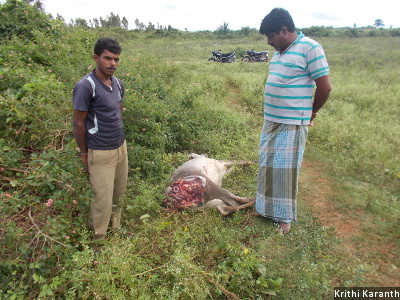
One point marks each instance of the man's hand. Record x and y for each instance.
(321, 95)
(85, 163)
(313, 116)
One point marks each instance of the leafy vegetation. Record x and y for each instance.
(176, 103)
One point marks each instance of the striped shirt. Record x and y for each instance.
(290, 84)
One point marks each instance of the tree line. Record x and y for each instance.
(21, 17)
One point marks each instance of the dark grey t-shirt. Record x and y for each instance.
(104, 128)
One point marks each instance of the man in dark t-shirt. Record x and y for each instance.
(99, 133)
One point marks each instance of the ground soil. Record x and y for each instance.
(318, 191)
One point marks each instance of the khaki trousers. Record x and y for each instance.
(108, 176)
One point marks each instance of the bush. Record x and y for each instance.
(45, 199)
(395, 32)
(19, 18)
(318, 31)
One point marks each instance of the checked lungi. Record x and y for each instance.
(281, 154)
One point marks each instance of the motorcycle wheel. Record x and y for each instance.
(246, 59)
(231, 59)
(211, 59)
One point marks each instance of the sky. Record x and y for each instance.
(210, 14)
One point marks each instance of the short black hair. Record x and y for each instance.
(275, 20)
(106, 43)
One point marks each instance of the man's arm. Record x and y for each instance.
(321, 94)
(80, 134)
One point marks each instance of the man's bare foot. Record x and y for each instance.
(284, 228)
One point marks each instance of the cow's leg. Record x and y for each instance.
(230, 164)
(214, 203)
(214, 191)
(231, 209)
(224, 209)
(220, 206)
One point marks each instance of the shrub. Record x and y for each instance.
(19, 18)
(318, 31)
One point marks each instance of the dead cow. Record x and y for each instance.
(197, 184)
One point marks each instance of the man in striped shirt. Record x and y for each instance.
(290, 105)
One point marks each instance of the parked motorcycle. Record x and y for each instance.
(218, 56)
(252, 55)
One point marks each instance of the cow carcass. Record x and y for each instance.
(197, 184)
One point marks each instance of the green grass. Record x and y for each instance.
(176, 103)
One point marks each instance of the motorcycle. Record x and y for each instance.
(252, 55)
(218, 56)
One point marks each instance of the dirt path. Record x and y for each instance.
(318, 190)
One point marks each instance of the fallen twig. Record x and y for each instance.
(228, 294)
(41, 232)
(147, 271)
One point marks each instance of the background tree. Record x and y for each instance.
(96, 23)
(223, 30)
(60, 18)
(113, 21)
(223, 27)
(125, 23)
(38, 5)
(139, 25)
(245, 31)
(80, 22)
(103, 22)
(379, 23)
(150, 27)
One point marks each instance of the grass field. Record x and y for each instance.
(177, 102)
(347, 234)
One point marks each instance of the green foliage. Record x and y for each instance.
(395, 32)
(19, 18)
(111, 21)
(318, 31)
(187, 272)
(176, 103)
(44, 205)
(165, 111)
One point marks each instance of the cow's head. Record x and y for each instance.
(185, 192)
